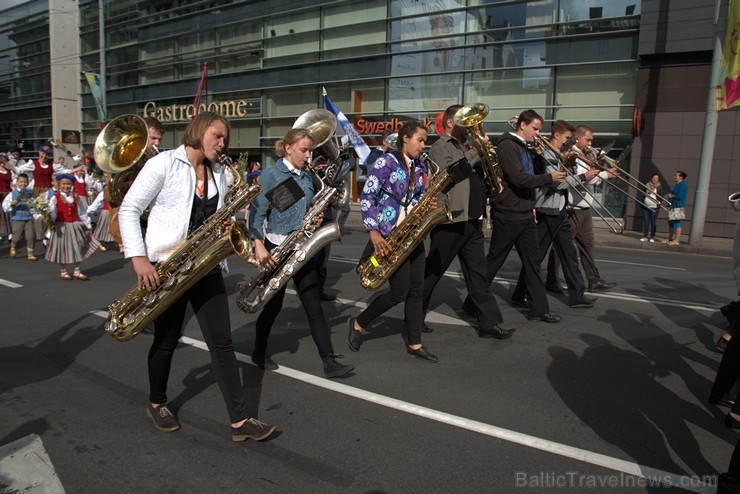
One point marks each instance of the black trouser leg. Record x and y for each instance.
(527, 246)
(307, 285)
(209, 302)
(545, 231)
(406, 285)
(211, 307)
(443, 247)
(472, 263)
(566, 250)
(583, 235)
(306, 281)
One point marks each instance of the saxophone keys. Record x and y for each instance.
(300, 255)
(149, 301)
(187, 267)
(110, 327)
(170, 282)
(274, 284)
(128, 319)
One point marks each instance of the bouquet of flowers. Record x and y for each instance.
(40, 206)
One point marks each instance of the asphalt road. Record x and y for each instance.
(613, 397)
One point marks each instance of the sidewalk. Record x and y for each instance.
(710, 246)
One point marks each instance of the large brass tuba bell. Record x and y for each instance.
(471, 117)
(121, 151)
(321, 124)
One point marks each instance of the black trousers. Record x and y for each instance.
(307, 286)
(555, 230)
(407, 285)
(464, 240)
(208, 300)
(729, 368)
(522, 234)
(582, 226)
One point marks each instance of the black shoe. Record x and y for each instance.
(601, 285)
(354, 337)
(327, 296)
(332, 368)
(423, 354)
(263, 361)
(517, 302)
(721, 402)
(252, 429)
(584, 303)
(497, 331)
(425, 328)
(550, 317)
(162, 418)
(554, 288)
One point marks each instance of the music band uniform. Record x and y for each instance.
(513, 221)
(463, 237)
(272, 227)
(582, 224)
(182, 188)
(553, 228)
(395, 184)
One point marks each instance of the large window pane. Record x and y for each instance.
(596, 92)
(349, 13)
(426, 93)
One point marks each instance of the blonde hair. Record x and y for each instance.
(290, 138)
(197, 127)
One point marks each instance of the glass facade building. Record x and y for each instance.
(381, 61)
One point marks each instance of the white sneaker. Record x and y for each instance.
(652, 240)
(644, 239)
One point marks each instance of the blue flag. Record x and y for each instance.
(349, 130)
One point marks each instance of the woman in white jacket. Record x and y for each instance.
(182, 188)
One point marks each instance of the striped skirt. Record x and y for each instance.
(102, 230)
(71, 243)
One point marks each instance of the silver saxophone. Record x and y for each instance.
(296, 250)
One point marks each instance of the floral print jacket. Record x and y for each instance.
(386, 190)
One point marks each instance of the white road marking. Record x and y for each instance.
(9, 283)
(25, 466)
(644, 265)
(653, 475)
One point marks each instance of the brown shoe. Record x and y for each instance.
(162, 418)
(12, 252)
(102, 248)
(78, 275)
(65, 276)
(32, 258)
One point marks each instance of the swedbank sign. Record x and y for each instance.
(183, 113)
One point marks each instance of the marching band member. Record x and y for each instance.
(512, 217)
(155, 132)
(581, 221)
(395, 183)
(464, 236)
(184, 187)
(553, 226)
(269, 228)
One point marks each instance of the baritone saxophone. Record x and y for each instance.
(415, 226)
(203, 250)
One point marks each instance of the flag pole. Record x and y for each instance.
(701, 198)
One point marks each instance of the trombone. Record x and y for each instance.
(540, 144)
(614, 163)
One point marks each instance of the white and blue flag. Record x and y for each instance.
(355, 139)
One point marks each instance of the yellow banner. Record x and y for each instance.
(728, 82)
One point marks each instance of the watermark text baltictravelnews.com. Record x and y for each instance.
(616, 480)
